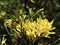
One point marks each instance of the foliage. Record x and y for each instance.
(29, 22)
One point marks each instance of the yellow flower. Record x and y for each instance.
(33, 29)
(2, 14)
(36, 28)
(8, 22)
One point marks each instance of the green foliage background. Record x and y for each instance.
(49, 9)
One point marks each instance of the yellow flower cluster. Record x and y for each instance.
(33, 29)
(8, 22)
(45, 26)
(2, 14)
(13, 26)
(41, 27)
